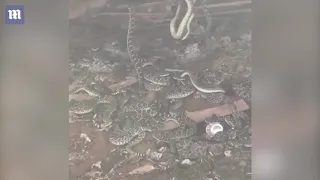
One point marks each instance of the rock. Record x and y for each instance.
(186, 162)
(143, 169)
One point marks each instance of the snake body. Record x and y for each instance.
(185, 22)
(152, 86)
(156, 79)
(202, 89)
(183, 131)
(134, 58)
(130, 136)
(214, 98)
(138, 62)
(81, 108)
(141, 107)
(154, 76)
(133, 132)
(181, 91)
(87, 89)
(175, 134)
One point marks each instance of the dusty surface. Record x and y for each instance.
(92, 156)
(80, 7)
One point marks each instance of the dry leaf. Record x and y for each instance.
(226, 109)
(143, 169)
(169, 125)
(123, 84)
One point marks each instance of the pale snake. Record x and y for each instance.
(184, 26)
(202, 89)
(185, 22)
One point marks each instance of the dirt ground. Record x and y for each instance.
(91, 155)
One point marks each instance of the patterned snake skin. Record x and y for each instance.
(175, 134)
(152, 86)
(138, 62)
(134, 132)
(121, 110)
(160, 78)
(183, 131)
(141, 107)
(181, 90)
(131, 136)
(87, 89)
(214, 98)
(200, 88)
(81, 107)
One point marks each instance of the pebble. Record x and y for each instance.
(227, 153)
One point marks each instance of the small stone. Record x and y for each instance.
(186, 162)
(227, 153)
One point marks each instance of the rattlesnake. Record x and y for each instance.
(175, 134)
(141, 108)
(183, 131)
(87, 106)
(137, 61)
(184, 26)
(200, 88)
(133, 132)
(81, 107)
(180, 90)
(87, 89)
(130, 135)
(152, 86)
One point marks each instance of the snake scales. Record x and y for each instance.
(144, 118)
(134, 58)
(185, 22)
(183, 29)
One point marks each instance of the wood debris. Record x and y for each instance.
(143, 169)
(224, 110)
